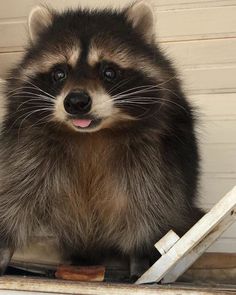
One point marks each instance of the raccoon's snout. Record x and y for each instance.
(77, 103)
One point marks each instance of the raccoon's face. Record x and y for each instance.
(88, 70)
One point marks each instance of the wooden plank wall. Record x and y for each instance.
(200, 37)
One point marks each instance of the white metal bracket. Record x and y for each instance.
(178, 254)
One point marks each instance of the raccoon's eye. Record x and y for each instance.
(109, 74)
(59, 75)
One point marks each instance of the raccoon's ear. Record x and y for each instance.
(140, 14)
(39, 19)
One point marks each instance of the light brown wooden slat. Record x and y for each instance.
(230, 232)
(213, 267)
(11, 9)
(199, 23)
(178, 4)
(185, 24)
(214, 186)
(8, 60)
(201, 52)
(216, 79)
(212, 276)
(215, 260)
(224, 245)
(215, 105)
(219, 158)
(14, 32)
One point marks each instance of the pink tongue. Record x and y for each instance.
(81, 123)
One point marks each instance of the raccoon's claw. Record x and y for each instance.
(5, 257)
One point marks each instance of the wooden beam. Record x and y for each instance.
(19, 285)
(223, 210)
(215, 261)
(186, 261)
(168, 241)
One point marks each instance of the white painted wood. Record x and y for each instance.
(199, 23)
(10, 9)
(230, 232)
(186, 261)
(217, 131)
(165, 243)
(178, 4)
(209, 222)
(219, 158)
(172, 25)
(213, 186)
(162, 5)
(14, 33)
(201, 52)
(218, 79)
(8, 60)
(223, 245)
(215, 105)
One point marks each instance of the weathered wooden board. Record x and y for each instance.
(225, 155)
(11, 10)
(219, 268)
(178, 4)
(33, 286)
(14, 32)
(197, 238)
(172, 25)
(199, 23)
(201, 52)
(8, 60)
(185, 262)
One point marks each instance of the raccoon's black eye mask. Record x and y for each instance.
(108, 72)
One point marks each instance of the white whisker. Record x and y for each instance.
(118, 85)
(27, 116)
(36, 87)
(25, 94)
(141, 88)
(33, 100)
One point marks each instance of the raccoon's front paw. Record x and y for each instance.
(5, 257)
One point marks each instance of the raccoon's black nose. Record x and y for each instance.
(77, 103)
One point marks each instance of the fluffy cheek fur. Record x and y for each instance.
(102, 107)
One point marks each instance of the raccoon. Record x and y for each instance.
(98, 145)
